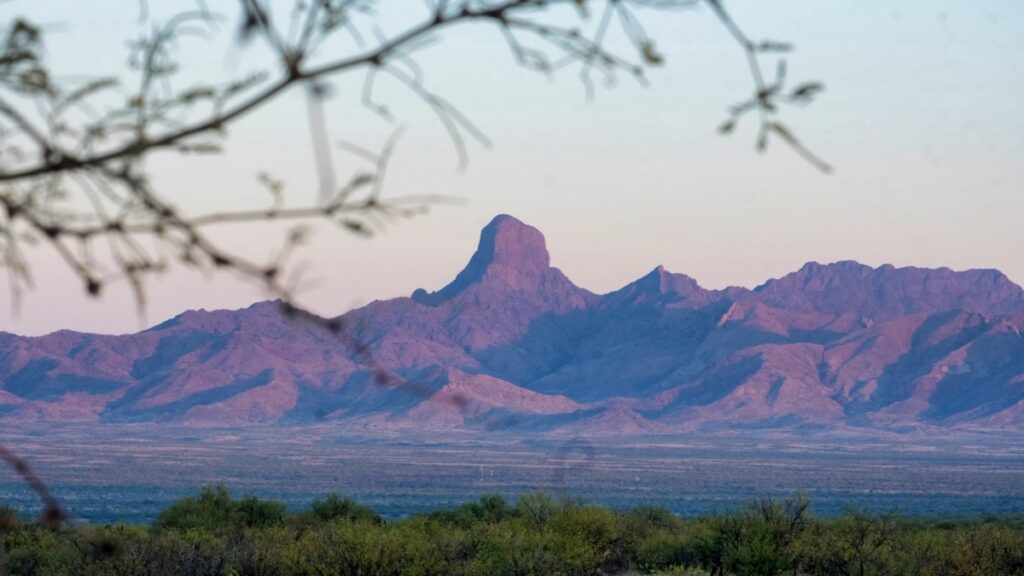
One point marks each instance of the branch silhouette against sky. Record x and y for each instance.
(73, 172)
(74, 148)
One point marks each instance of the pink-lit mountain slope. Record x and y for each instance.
(512, 344)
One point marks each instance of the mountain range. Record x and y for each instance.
(512, 344)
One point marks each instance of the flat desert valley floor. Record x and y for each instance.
(129, 473)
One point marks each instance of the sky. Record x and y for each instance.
(920, 118)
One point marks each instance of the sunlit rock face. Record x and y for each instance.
(511, 344)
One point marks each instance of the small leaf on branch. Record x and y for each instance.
(357, 227)
(806, 91)
(651, 56)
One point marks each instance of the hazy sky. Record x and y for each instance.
(921, 118)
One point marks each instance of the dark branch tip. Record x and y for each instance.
(288, 309)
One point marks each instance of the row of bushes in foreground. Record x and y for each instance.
(215, 534)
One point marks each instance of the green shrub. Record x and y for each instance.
(255, 513)
(213, 534)
(214, 509)
(663, 549)
(40, 551)
(9, 517)
(211, 509)
(335, 507)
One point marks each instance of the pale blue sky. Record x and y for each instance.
(920, 118)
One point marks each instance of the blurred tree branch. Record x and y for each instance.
(72, 166)
(53, 513)
(74, 178)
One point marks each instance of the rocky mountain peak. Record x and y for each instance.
(510, 254)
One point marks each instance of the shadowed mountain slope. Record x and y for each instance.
(512, 344)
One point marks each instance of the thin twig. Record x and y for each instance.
(53, 513)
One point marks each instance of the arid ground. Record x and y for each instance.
(128, 473)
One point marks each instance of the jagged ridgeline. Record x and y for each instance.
(512, 344)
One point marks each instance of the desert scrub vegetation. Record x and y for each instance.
(214, 533)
